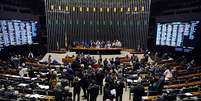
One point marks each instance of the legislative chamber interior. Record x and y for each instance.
(100, 50)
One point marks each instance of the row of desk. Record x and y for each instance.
(97, 51)
(24, 85)
(150, 98)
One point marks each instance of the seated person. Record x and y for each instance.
(108, 44)
(102, 44)
(114, 44)
(98, 44)
(138, 92)
(118, 44)
(23, 72)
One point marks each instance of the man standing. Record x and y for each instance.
(93, 91)
(76, 89)
(119, 90)
(138, 92)
(85, 84)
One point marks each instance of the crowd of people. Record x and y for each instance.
(98, 44)
(102, 77)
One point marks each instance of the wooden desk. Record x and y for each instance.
(182, 85)
(195, 93)
(149, 97)
(137, 53)
(179, 85)
(49, 98)
(97, 50)
(189, 76)
(36, 65)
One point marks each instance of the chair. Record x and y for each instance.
(51, 93)
(40, 92)
(194, 79)
(186, 90)
(28, 91)
(153, 93)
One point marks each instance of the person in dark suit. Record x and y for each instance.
(76, 89)
(138, 92)
(31, 73)
(85, 84)
(107, 94)
(99, 79)
(119, 90)
(105, 63)
(93, 91)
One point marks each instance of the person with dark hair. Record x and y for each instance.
(105, 63)
(99, 79)
(107, 94)
(93, 91)
(100, 60)
(138, 92)
(67, 94)
(117, 61)
(112, 61)
(58, 92)
(160, 84)
(53, 80)
(119, 90)
(31, 73)
(76, 89)
(84, 84)
(49, 60)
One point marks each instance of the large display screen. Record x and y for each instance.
(177, 34)
(17, 32)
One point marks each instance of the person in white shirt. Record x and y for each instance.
(23, 72)
(30, 55)
(114, 44)
(168, 74)
(98, 44)
(118, 44)
(109, 44)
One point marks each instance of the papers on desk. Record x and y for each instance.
(16, 76)
(44, 73)
(33, 78)
(135, 81)
(52, 69)
(134, 75)
(43, 87)
(131, 81)
(188, 94)
(34, 96)
(57, 66)
(145, 98)
(26, 77)
(23, 85)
